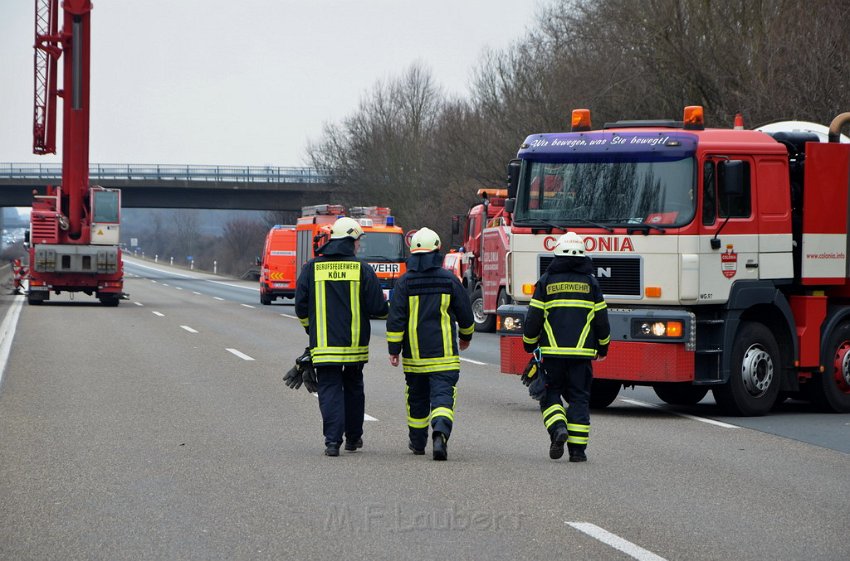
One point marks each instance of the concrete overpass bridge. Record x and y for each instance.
(182, 186)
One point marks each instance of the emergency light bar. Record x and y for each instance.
(316, 210)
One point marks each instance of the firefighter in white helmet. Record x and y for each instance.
(430, 320)
(568, 321)
(335, 297)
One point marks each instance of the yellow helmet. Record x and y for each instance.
(424, 241)
(570, 244)
(346, 227)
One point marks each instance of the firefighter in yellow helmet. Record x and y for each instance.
(568, 321)
(335, 297)
(429, 312)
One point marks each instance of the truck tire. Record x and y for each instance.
(485, 323)
(34, 300)
(265, 300)
(682, 393)
(756, 365)
(603, 393)
(110, 300)
(830, 390)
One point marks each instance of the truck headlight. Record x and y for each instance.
(657, 329)
(513, 323)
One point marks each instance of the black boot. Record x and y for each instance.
(577, 454)
(416, 451)
(559, 437)
(332, 450)
(353, 445)
(441, 452)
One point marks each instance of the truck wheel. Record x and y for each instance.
(485, 323)
(680, 393)
(603, 393)
(265, 300)
(34, 300)
(830, 390)
(753, 385)
(110, 301)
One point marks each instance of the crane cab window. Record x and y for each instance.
(106, 206)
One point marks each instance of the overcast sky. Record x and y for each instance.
(246, 82)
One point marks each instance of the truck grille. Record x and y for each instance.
(617, 276)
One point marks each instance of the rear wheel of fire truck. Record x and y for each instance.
(485, 323)
(109, 300)
(830, 389)
(265, 299)
(756, 366)
(603, 393)
(682, 393)
(35, 299)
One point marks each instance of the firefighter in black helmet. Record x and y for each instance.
(429, 311)
(335, 297)
(568, 321)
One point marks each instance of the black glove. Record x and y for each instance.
(308, 372)
(293, 378)
(531, 372)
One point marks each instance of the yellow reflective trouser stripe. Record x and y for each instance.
(443, 412)
(321, 317)
(553, 414)
(412, 324)
(414, 422)
(554, 419)
(577, 434)
(467, 330)
(354, 294)
(446, 324)
(553, 409)
(395, 336)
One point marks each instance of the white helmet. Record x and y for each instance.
(346, 227)
(424, 240)
(570, 244)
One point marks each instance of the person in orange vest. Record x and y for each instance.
(19, 273)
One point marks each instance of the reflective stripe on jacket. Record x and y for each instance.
(428, 312)
(335, 297)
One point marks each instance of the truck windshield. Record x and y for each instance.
(382, 246)
(575, 193)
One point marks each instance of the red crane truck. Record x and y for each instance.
(723, 255)
(480, 263)
(74, 228)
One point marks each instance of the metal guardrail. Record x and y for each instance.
(157, 172)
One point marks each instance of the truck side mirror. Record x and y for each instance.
(513, 177)
(510, 204)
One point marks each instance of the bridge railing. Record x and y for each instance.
(171, 172)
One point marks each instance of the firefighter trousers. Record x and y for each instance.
(571, 379)
(430, 400)
(341, 401)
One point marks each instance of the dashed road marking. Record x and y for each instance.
(179, 287)
(187, 328)
(158, 314)
(196, 292)
(479, 363)
(217, 298)
(7, 332)
(615, 541)
(685, 415)
(289, 316)
(138, 303)
(366, 416)
(247, 305)
(164, 284)
(240, 354)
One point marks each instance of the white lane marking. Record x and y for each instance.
(685, 415)
(247, 305)
(241, 355)
(189, 329)
(179, 287)
(615, 541)
(195, 292)
(289, 316)
(158, 314)
(170, 272)
(7, 332)
(366, 416)
(473, 361)
(153, 281)
(164, 284)
(217, 298)
(254, 288)
(138, 303)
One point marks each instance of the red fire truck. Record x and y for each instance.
(74, 228)
(723, 255)
(277, 267)
(480, 263)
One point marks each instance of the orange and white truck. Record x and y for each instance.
(722, 254)
(277, 268)
(382, 246)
